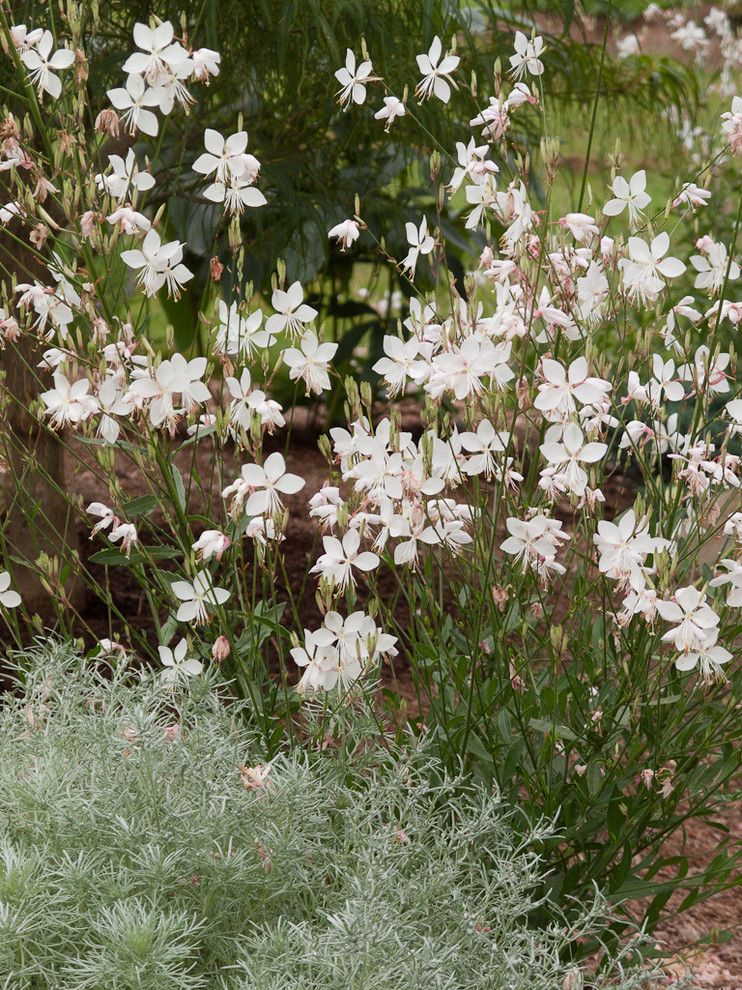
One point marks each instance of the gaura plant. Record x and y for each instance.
(572, 649)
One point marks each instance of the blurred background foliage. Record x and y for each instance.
(277, 67)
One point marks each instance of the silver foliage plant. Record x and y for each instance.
(142, 845)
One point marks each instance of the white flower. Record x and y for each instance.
(177, 664)
(623, 546)
(733, 576)
(174, 376)
(696, 620)
(112, 402)
(7, 213)
(239, 334)
(124, 177)
(392, 109)
(8, 598)
(197, 598)
(420, 241)
(106, 516)
(292, 312)
(646, 263)
(68, 403)
(627, 46)
(345, 233)
(527, 56)
(159, 54)
(340, 557)
(133, 102)
(483, 446)
(227, 158)
(568, 456)
(400, 364)
(436, 73)
(712, 268)
(260, 487)
(561, 387)
(705, 373)
(461, 371)
(41, 67)
(22, 38)
(710, 657)
(236, 195)
(205, 64)
(158, 264)
(353, 81)
(311, 362)
(535, 542)
(631, 195)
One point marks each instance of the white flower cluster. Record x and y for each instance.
(340, 651)
(511, 353)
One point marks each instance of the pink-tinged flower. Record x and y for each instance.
(126, 533)
(581, 226)
(731, 127)
(198, 598)
(211, 543)
(692, 195)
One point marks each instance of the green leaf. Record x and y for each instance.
(140, 506)
(552, 728)
(179, 486)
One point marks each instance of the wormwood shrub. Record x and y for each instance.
(140, 848)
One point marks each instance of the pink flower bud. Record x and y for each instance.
(221, 649)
